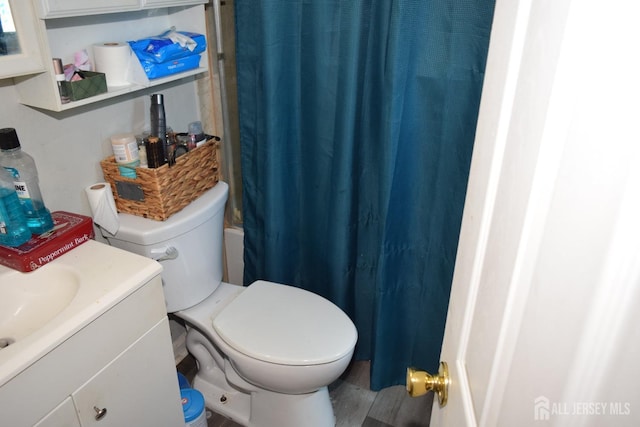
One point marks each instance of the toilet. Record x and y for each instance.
(265, 353)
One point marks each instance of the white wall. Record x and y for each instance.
(68, 146)
(234, 254)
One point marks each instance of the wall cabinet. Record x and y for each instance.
(63, 8)
(58, 8)
(122, 362)
(69, 26)
(161, 3)
(29, 59)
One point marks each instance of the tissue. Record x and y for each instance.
(103, 206)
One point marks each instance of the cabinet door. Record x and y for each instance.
(57, 8)
(63, 416)
(138, 388)
(26, 57)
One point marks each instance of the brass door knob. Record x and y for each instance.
(420, 382)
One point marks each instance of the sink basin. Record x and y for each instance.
(42, 309)
(30, 300)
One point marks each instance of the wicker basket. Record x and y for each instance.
(160, 192)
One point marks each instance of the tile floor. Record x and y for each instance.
(354, 404)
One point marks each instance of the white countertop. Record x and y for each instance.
(106, 276)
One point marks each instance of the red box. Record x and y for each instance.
(69, 230)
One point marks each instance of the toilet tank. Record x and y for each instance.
(193, 269)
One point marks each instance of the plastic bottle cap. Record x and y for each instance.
(195, 128)
(123, 138)
(57, 66)
(192, 403)
(157, 98)
(9, 139)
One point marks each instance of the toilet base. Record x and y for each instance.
(230, 403)
(230, 395)
(265, 408)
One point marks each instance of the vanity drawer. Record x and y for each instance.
(63, 415)
(139, 388)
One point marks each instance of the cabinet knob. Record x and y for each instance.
(100, 413)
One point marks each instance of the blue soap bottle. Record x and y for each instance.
(25, 179)
(13, 223)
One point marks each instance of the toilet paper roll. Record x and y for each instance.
(103, 206)
(113, 60)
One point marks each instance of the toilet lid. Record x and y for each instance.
(286, 325)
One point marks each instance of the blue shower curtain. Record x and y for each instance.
(357, 120)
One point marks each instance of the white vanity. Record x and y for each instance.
(103, 358)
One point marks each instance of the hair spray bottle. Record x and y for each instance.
(159, 121)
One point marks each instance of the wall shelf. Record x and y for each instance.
(62, 36)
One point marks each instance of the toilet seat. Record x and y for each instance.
(285, 325)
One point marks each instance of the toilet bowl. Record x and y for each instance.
(265, 353)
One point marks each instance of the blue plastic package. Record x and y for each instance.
(169, 46)
(155, 70)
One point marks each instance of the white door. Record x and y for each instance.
(543, 319)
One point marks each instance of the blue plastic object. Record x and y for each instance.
(161, 49)
(182, 381)
(128, 170)
(154, 70)
(192, 404)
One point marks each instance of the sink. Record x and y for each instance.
(31, 300)
(42, 309)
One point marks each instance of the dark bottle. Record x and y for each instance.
(59, 73)
(25, 178)
(159, 121)
(155, 157)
